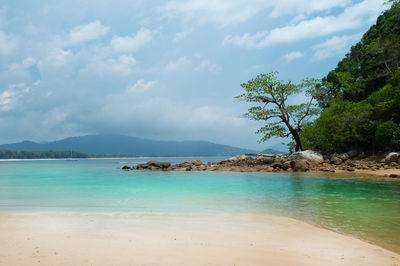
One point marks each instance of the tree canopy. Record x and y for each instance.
(272, 104)
(369, 64)
(361, 96)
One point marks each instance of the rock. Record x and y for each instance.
(307, 155)
(352, 153)
(286, 165)
(343, 156)
(336, 161)
(165, 164)
(361, 156)
(300, 166)
(394, 175)
(276, 165)
(266, 160)
(197, 163)
(155, 164)
(237, 158)
(392, 157)
(351, 169)
(126, 168)
(142, 166)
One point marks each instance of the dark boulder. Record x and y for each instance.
(165, 165)
(155, 164)
(300, 166)
(197, 163)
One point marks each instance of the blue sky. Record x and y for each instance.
(160, 69)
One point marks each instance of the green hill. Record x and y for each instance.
(125, 145)
(361, 96)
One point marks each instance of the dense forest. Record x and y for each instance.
(7, 154)
(360, 98)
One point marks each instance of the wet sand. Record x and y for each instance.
(177, 239)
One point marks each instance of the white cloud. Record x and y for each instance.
(17, 85)
(181, 35)
(58, 57)
(9, 97)
(7, 44)
(208, 66)
(289, 57)
(288, 7)
(180, 64)
(352, 18)
(28, 62)
(6, 100)
(235, 11)
(88, 32)
(195, 63)
(209, 116)
(335, 46)
(140, 86)
(134, 42)
(120, 66)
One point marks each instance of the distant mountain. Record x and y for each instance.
(281, 147)
(272, 151)
(119, 144)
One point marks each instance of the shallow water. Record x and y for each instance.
(367, 209)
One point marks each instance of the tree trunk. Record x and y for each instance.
(296, 138)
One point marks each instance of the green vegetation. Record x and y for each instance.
(271, 98)
(7, 154)
(361, 96)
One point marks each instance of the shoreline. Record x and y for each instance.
(170, 239)
(297, 163)
(103, 158)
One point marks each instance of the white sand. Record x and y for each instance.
(128, 239)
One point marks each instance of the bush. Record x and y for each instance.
(340, 127)
(387, 136)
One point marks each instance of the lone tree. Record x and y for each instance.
(271, 95)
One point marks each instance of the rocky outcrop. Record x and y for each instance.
(151, 165)
(308, 155)
(393, 157)
(295, 162)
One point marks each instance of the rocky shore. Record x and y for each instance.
(302, 161)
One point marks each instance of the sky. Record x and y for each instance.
(165, 70)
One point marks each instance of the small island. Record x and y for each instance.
(305, 161)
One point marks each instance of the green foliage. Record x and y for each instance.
(387, 135)
(271, 98)
(339, 127)
(361, 96)
(361, 125)
(369, 65)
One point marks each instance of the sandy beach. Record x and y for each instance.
(177, 239)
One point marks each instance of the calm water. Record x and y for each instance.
(367, 209)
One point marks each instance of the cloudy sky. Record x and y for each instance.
(160, 69)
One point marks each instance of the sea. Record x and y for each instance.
(366, 209)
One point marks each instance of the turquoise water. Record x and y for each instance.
(367, 209)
